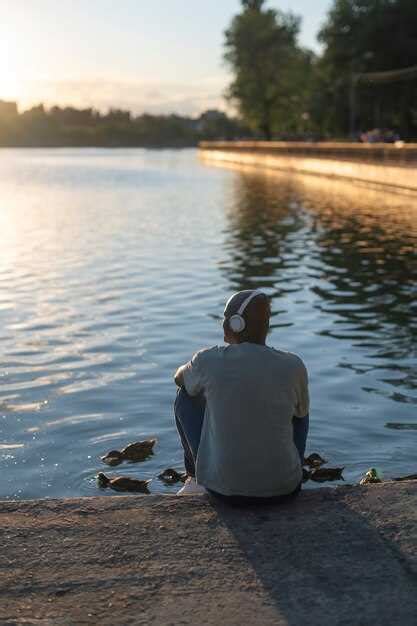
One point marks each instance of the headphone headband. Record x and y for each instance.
(248, 299)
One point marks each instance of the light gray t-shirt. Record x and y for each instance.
(252, 394)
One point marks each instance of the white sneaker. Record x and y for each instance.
(191, 488)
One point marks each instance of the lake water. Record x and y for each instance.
(114, 268)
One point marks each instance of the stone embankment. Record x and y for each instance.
(389, 165)
(333, 556)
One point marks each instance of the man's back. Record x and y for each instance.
(252, 394)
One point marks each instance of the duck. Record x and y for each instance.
(314, 460)
(323, 474)
(112, 458)
(371, 476)
(133, 452)
(123, 483)
(170, 476)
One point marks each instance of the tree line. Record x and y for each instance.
(364, 78)
(69, 126)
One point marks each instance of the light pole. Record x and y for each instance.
(352, 105)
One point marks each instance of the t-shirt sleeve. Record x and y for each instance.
(302, 407)
(193, 375)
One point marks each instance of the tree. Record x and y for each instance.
(362, 36)
(261, 50)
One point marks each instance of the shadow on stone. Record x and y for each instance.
(320, 562)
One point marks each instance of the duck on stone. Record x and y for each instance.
(123, 483)
(370, 477)
(134, 452)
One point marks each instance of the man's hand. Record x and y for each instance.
(179, 376)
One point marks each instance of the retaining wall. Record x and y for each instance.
(393, 165)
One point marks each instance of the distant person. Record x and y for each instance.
(242, 410)
(376, 135)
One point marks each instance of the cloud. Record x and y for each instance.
(138, 97)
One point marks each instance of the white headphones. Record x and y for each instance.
(237, 322)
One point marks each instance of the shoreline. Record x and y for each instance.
(333, 556)
(193, 146)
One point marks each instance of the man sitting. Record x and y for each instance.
(242, 410)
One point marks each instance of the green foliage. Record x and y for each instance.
(280, 89)
(254, 5)
(268, 68)
(362, 36)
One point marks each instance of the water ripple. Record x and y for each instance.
(114, 269)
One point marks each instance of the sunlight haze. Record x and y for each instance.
(160, 57)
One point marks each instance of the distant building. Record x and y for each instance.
(210, 119)
(8, 110)
(213, 115)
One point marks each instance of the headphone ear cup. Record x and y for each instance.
(237, 323)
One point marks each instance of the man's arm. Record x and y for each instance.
(300, 432)
(189, 376)
(301, 419)
(302, 407)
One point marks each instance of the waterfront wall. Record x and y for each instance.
(393, 165)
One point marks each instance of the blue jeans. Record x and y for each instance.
(189, 417)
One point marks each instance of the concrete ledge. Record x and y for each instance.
(344, 556)
(383, 165)
(400, 153)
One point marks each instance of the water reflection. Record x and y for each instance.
(353, 249)
(263, 225)
(364, 268)
(266, 240)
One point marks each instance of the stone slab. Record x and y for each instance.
(344, 556)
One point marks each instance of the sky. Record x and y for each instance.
(160, 57)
